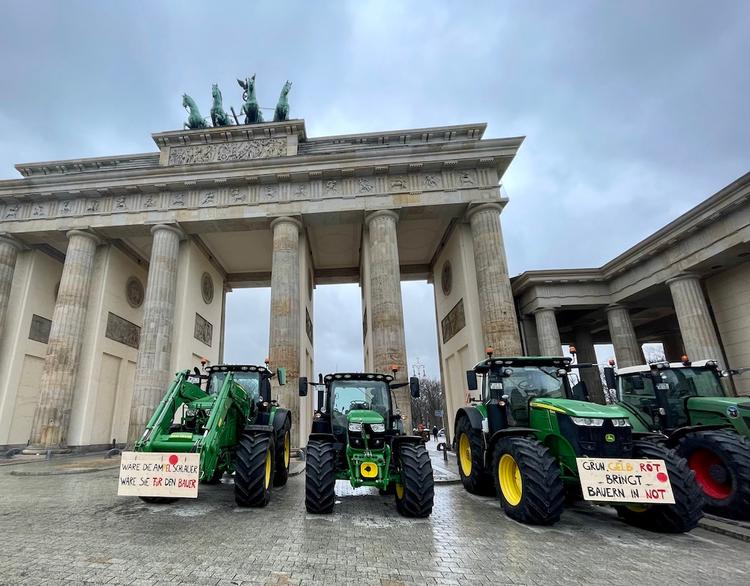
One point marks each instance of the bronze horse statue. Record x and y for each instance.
(195, 120)
(218, 116)
(250, 107)
(282, 108)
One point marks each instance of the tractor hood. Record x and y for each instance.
(364, 416)
(725, 406)
(581, 408)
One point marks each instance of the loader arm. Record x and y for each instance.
(164, 414)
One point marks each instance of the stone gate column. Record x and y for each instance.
(386, 308)
(498, 312)
(697, 329)
(587, 353)
(9, 248)
(547, 332)
(284, 337)
(152, 373)
(628, 351)
(49, 429)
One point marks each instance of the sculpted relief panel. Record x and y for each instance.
(264, 148)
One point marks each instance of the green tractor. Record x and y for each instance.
(227, 415)
(523, 439)
(687, 402)
(357, 435)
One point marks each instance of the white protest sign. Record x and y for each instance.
(624, 480)
(159, 474)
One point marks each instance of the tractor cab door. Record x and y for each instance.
(638, 391)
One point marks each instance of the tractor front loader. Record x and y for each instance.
(524, 440)
(228, 417)
(357, 435)
(687, 402)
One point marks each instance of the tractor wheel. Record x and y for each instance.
(687, 510)
(253, 470)
(416, 492)
(721, 462)
(527, 480)
(470, 452)
(320, 477)
(283, 454)
(157, 500)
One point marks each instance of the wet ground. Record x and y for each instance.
(73, 528)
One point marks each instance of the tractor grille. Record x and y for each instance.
(592, 441)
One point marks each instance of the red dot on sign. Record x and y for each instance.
(661, 477)
(174, 459)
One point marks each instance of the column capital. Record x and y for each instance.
(484, 207)
(86, 234)
(615, 307)
(541, 309)
(6, 238)
(376, 214)
(286, 220)
(683, 277)
(170, 228)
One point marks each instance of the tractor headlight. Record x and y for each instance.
(588, 421)
(621, 422)
(376, 427)
(357, 427)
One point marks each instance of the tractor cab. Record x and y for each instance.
(668, 396)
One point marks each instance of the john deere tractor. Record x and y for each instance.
(687, 402)
(357, 435)
(521, 441)
(227, 415)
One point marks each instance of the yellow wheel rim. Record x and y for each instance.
(637, 507)
(464, 454)
(268, 467)
(399, 491)
(509, 475)
(287, 449)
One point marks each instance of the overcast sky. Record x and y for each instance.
(633, 111)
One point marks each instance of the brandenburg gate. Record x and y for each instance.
(114, 270)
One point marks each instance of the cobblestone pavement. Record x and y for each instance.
(73, 528)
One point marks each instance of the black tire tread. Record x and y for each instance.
(250, 470)
(479, 481)
(734, 450)
(281, 475)
(543, 495)
(417, 481)
(680, 517)
(320, 477)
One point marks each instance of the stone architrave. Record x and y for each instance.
(152, 373)
(52, 416)
(586, 353)
(284, 338)
(547, 332)
(9, 248)
(386, 308)
(697, 329)
(628, 351)
(496, 305)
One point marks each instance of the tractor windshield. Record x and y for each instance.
(249, 381)
(521, 383)
(348, 395)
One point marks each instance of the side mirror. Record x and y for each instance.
(471, 380)
(281, 375)
(265, 389)
(610, 378)
(414, 387)
(303, 386)
(321, 399)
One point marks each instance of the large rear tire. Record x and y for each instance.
(320, 477)
(685, 513)
(721, 462)
(416, 492)
(283, 454)
(253, 470)
(527, 480)
(470, 456)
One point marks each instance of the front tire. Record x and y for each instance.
(685, 513)
(253, 470)
(283, 454)
(320, 477)
(527, 480)
(416, 492)
(721, 462)
(470, 452)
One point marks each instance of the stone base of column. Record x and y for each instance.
(41, 450)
